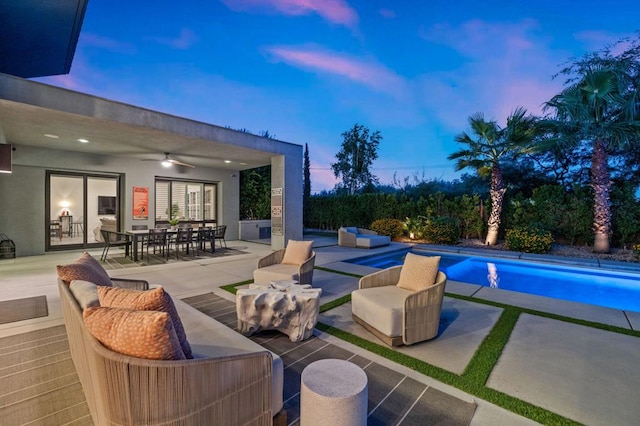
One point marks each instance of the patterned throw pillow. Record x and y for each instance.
(418, 272)
(142, 334)
(150, 300)
(297, 252)
(87, 269)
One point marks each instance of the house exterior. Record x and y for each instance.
(78, 161)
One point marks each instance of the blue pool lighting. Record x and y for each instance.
(612, 289)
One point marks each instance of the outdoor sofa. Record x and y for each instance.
(230, 381)
(361, 238)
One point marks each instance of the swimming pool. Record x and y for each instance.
(611, 289)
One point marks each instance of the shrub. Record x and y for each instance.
(528, 240)
(390, 227)
(413, 227)
(442, 230)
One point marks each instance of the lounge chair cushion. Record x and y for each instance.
(351, 229)
(142, 334)
(371, 241)
(151, 300)
(86, 293)
(381, 307)
(86, 268)
(418, 272)
(297, 252)
(278, 271)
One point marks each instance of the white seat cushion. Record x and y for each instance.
(369, 241)
(380, 307)
(279, 271)
(210, 338)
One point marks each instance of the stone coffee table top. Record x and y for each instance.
(290, 308)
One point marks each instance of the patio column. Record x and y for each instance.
(286, 199)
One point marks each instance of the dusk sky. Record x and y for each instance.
(308, 70)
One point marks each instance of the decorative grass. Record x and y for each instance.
(333, 271)
(233, 288)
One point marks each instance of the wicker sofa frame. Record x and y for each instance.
(124, 390)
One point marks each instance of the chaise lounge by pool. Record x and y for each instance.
(611, 289)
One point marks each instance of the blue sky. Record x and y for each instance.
(308, 70)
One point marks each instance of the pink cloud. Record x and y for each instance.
(334, 11)
(368, 73)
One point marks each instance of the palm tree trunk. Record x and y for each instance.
(496, 191)
(602, 206)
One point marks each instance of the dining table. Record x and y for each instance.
(138, 236)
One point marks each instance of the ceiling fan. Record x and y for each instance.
(168, 162)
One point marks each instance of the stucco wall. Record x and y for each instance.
(22, 193)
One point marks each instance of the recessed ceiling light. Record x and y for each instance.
(227, 161)
(49, 135)
(83, 140)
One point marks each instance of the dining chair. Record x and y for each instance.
(219, 234)
(78, 225)
(184, 239)
(157, 239)
(55, 229)
(205, 235)
(114, 239)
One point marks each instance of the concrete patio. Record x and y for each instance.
(583, 373)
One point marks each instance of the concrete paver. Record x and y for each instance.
(583, 373)
(463, 327)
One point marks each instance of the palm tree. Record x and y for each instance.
(600, 106)
(484, 154)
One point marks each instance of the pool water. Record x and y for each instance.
(618, 290)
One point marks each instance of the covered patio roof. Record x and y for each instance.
(29, 111)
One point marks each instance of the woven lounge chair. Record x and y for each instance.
(396, 315)
(276, 265)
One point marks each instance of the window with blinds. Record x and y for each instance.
(185, 200)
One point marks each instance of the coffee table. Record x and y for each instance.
(289, 308)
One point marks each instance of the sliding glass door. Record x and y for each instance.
(77, 205)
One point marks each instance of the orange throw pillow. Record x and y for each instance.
(297, 252)
(86, 269)
(142, 334)
(150, 300)
(418, 272)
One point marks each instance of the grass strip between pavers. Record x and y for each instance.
(233, 288)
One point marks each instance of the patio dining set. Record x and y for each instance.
(188, 240)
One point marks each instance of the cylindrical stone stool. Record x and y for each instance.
(333, 392)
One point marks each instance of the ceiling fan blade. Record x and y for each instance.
(166, 159)
(180, 163)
